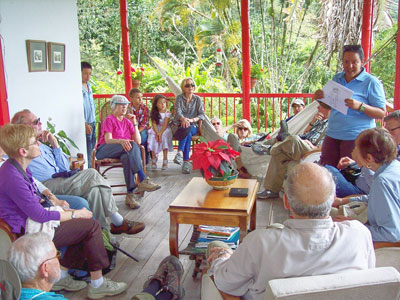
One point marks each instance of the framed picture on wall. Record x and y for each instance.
(56, 57)
(36, 54)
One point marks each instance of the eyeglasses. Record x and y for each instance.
(35, 122)
(189, 85)
(243, 128)
(36, 142)
(58, 256)
(392, 129)
(216, 123)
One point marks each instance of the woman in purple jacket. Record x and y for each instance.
(20, 199)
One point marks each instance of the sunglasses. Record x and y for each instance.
(216, 123)
(243, 128)
(392, 129)
(58, 256)
(189, 85)
(35, 122)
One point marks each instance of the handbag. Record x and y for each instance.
(351, 172)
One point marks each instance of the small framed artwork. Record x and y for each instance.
(36, 53)
(56, 57)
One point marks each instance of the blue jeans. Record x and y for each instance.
(74, 202)
(144, 135)
(131, 160)
(184, 145)
(91, 143)
(343, 187)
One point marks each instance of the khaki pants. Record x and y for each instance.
(284, 156)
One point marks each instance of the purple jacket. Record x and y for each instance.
(18, 200)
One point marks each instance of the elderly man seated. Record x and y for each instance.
(308, 244)
(88, 184)
(286, 150)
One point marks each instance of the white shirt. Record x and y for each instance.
(303, 247)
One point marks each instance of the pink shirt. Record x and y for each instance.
(119, 129)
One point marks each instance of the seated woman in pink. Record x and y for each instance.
(120, 139)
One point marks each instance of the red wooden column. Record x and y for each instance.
(245, 59)
(397, 78)
(126, 48)
(4, 112)
(366, 31)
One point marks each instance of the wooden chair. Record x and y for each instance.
(111, 163)
(77, 162)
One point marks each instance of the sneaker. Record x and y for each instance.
(178, 158)
(267, 194)
(283, 131)
(69, 284)
(186, 167)
(128, 227)
(164, 165)
(130, 200)
(147, 186)
(173, 278)
(154, 163)
(108, 288)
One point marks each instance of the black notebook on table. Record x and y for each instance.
(239, 192)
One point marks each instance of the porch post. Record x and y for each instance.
(396, 103)
(4, 112)
(126, 50)
(245, 59)
(366, 31)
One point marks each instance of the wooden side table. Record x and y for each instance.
(199, 204)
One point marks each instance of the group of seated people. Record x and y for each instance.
(38, 187)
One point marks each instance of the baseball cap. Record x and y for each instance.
(298, 101)
(118, 99)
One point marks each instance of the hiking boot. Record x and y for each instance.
(147, 186)
(186, 167)
(267, 194)
(173, 278)
(130, 200)
(283, 131)
(108, 288)
(69, 284)
(128, 227)
(178, 158)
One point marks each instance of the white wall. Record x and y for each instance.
(48, 94)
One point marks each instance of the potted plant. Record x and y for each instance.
(255, 74)
(214, 159)
(137, 76)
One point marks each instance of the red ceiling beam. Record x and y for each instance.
(366, 31)
(126, 48)
(245, 58)
(4, 112)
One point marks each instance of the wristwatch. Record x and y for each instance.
(362, 107)
(73, 216)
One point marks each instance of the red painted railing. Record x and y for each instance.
(269, 109)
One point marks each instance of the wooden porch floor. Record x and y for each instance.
(151, 245)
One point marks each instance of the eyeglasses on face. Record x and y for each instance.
(216, 123)
(58, 256)
(35, 142)
(189, 85)
(35, 122)
(243, 128)
(392, 129)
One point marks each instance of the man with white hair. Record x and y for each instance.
(35, 258)
(88, 183)
(308, 244)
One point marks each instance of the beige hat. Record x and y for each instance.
(298, 101)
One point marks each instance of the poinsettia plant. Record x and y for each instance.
(214, 159)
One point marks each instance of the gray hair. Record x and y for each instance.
(19, 117)
(318, 186)
(28, 252)
(393, 116)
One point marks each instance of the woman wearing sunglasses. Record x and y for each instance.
(189, 110)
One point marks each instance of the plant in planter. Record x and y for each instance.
(137, 76)
(256, 72)
(214, 159)
(61, 137)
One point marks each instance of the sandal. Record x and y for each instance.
(154, 163)
(164, 165)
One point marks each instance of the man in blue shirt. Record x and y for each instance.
(89, 110)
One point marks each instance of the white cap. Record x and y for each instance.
(298, 101)
(118, 99)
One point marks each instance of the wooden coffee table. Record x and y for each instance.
(199, 204)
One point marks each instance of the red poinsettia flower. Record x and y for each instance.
(119, 72)
(210, 155)
(142, 69)
(133, 70)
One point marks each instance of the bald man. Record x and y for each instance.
(308, 244)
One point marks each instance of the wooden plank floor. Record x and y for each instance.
(151, 245)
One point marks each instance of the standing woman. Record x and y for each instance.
(189, 110)
(368, 103)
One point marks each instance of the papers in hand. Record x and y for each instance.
(335, 94)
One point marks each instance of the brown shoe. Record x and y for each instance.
(131, 201)
(128, 227)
